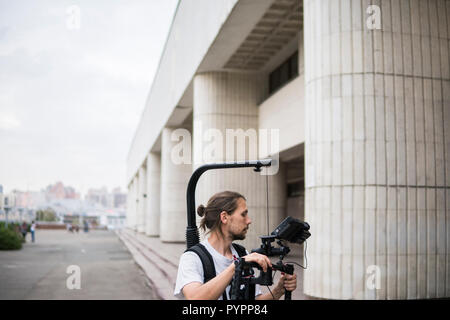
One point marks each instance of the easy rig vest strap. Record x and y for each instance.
(209, 271)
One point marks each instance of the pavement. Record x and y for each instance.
(40, 270)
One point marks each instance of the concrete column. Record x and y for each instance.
(138, 200)
(377, 149)
(131, 210)
(174, 180)
(229, 101)
(135, 201)
(153, 194)
(142, 199)
(129, 207)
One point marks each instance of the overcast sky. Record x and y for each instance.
(74, 77)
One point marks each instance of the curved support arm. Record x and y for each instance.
(192, 235)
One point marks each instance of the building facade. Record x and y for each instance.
(351, 97)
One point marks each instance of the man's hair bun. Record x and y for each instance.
(201, 210)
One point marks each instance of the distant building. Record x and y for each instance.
(113, 199)
(119, 198)
(97, 196)
(98, 206)
(59, 191)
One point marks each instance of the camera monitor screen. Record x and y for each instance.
(292, 230)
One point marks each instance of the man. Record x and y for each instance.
(32, 230)
(226, 217)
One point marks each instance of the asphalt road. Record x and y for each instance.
(42, 270)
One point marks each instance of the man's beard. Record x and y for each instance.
(238, 236)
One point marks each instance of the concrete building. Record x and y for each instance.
(60, 191)
(354, 97)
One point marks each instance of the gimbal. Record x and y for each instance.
(290, 229)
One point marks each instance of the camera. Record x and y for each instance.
(291, 230)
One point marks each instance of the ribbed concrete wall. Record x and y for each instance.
(377, 149)
(229, 101)
(152, 221)
(142, 200)
(174, 180)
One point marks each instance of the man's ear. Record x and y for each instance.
(224, 217)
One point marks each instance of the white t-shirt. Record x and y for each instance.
(190, 269)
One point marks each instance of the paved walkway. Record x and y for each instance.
(39, 270)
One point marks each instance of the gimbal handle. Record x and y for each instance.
(286, 268)
(289, 269)
(265, 278)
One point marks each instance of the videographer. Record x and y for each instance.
(226, 217)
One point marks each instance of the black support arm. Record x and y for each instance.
(192, 235)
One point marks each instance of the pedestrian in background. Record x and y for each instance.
(24, 229)
(32, 229)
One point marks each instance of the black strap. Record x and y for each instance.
(209, 271)
(239, 249)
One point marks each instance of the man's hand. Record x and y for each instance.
(287, 281)
(260, 259)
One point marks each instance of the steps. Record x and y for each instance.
(158, 260)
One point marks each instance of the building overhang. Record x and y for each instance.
(222, 35)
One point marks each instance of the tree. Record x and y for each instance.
(46, 215)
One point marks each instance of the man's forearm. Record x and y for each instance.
(214, 288)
